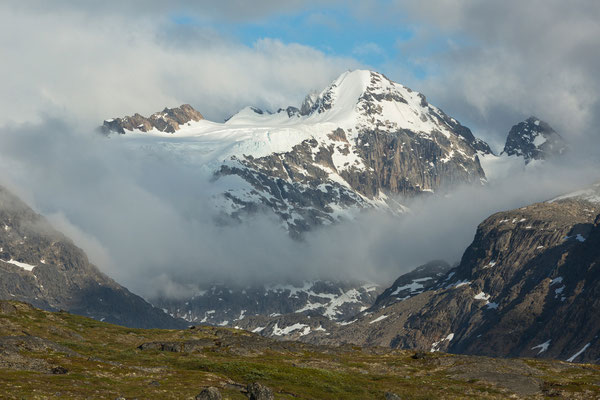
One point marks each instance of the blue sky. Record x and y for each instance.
(336, 31)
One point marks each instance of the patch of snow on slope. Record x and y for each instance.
(414, 286)
(574, 356)
(25, 266)
(482, 296)
(286, 331)
(543, 347)
(381, 318)
(435, 345)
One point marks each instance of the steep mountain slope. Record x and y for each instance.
(527, 286)
(358, 144)
(41, 266)
(223, 305)
(534, 139)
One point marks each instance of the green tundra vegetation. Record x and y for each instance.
(61, 355)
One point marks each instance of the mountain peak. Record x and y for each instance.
(534, 139)
(167, 120)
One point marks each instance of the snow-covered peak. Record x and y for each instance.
(534, 139)
(347, 148)
(363, 100)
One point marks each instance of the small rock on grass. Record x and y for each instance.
(257, 391)
(209, 393)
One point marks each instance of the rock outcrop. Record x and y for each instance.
(168, 120)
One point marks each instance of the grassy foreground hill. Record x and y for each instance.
(61, 355)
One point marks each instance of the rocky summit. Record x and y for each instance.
(534, 139)
(168, 120)
(41, 266)
(361, 143)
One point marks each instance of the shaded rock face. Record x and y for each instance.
(534, 139)
(41, 266)
(229, 306)
(168, 120)
(527, 286)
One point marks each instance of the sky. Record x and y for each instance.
(68, 65)
(488, 64)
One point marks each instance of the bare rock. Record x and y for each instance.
(257, 391)
(209, 393)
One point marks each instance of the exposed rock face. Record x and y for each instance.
(167, 120)
(225, 306)
(528, 285)
(534, 139)
(41, 266)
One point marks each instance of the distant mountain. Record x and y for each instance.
(226, 306)
(41, 266)
(534, 139)
(360, 143)
(529, 144)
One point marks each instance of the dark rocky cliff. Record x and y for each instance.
(534, 139)
(41, 266)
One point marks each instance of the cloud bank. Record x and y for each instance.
(495, 63)
(145, 221)
(84, 64)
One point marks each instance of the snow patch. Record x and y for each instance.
(543, 346)
(381, 318)
(25, 266)
(435, 345)
(286, 331)
(574, 356)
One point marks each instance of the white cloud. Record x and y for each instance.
(508, 60)
(72, 64)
